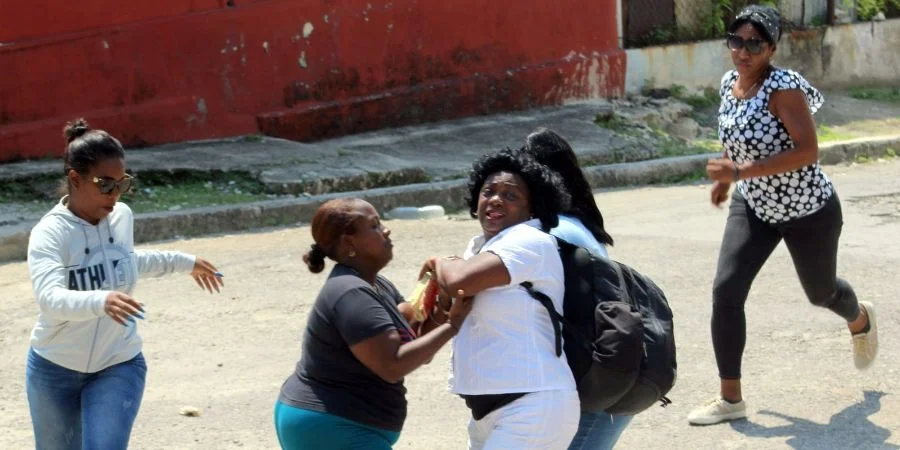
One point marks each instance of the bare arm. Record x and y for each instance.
(391, 359)
(473, 275)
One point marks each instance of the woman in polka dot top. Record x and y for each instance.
(771, 154)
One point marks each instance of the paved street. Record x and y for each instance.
(229, 354)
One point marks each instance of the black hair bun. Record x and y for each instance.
(75, 129)
(315, 259)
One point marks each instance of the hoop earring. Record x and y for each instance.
(352, 252)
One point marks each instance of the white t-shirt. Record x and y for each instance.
(507, 343)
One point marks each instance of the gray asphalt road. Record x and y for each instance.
(228, 354)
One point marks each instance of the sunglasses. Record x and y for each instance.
(754, 46)
(107, 185)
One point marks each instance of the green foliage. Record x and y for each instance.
(883, 94)
(826, 133)
(709, 97)
(678, 91)
(154, 190)
(612, 121)
(866, 9)
(714, 22)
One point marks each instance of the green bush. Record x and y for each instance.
(866, 9)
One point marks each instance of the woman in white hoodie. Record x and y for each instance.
(85, 371)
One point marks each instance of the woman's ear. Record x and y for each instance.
(73, 178)
(344, 244)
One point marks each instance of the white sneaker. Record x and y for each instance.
(717, 410)
(865, 345)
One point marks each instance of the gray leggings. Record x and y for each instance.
(812, 242)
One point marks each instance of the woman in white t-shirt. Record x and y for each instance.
(504, 362)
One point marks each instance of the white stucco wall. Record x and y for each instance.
(835, 56)
(694, 65)
(863, 53)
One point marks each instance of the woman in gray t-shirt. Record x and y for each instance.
(347, 390)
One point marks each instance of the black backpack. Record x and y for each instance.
(619, 341)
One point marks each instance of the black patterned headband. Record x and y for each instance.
(765, 17)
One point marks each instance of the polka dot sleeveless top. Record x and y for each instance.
(749, 131)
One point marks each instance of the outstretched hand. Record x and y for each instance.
(207, 276)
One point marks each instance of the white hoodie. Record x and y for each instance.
(74, 266)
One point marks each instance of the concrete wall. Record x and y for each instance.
(860, 54)
(865, 53)
(299, 69)
(694, 65)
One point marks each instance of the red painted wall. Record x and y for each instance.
(42, 18)
(300, 69)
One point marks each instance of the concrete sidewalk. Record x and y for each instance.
(424, 153)
(410, 166)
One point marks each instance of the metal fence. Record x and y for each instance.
(648, 22)
(659, 22)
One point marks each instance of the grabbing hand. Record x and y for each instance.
(121, 308)
(459, 310)
(430, 264)
(719, 192)
(207, 276)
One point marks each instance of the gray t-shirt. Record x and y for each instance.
(328, 377)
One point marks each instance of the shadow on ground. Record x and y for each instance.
(850, 428)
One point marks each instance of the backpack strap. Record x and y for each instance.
(558, 320)
(622, 285)
(555, 317)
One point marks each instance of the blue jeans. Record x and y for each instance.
(599, 431)
(73, 410)
(303, 429)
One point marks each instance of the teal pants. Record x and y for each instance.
(303, 429)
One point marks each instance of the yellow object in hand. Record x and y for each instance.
(423, 297)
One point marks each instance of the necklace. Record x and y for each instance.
(756, 83)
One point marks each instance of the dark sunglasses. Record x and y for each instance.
(107, 184)
(753, 45)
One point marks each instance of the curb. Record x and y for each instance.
(648, 172)
(449, 194)
(203, 221)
